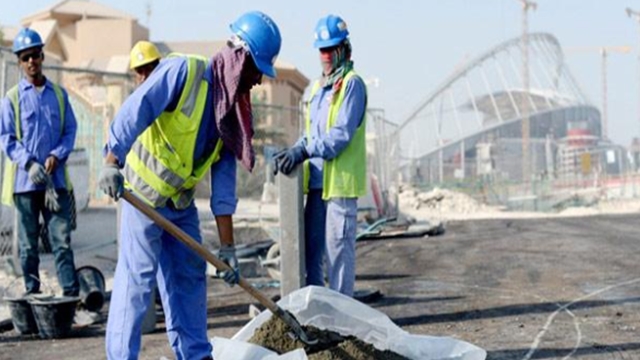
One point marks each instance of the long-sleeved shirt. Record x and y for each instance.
(161, 92)
(41, 132)
(325, 145)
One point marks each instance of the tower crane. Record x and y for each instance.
(604, 53)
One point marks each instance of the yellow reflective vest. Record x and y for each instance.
(345, 175)
(10, 168)
(160, 165)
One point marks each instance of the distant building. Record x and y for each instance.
(89, 35)
(92, 42)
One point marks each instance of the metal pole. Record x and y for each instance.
(635, 15)
(526, 166)
(604, 125)
(15, 256)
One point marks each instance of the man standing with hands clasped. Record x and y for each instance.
(37, 132)
(333, 151)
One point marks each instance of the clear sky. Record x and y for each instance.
(411, 46)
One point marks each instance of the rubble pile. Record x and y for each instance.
(441, 200)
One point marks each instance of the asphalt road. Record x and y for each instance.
(565, 288)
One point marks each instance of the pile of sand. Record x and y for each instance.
(274, 335)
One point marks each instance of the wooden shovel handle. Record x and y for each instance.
(199, 249)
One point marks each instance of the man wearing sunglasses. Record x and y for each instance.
(37, 133)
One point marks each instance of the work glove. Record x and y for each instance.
(37, 173)
(227, 254)
(277, 159)
(51, 197)
(287, 160)
(111, 181)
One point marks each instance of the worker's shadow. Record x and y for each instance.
(508, 310)
(557, 353)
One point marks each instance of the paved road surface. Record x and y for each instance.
(564, 288)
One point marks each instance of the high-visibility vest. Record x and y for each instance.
(346, 174)
(160, 165)
(10, 168)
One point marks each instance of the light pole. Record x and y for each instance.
(605, 107)
(526, 159)
(635, 15)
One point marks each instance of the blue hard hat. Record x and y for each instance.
(262, 36)
(26, 39)
(331, 30)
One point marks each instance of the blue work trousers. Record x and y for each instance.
(149, 256)
(330, 234)
(30, 206)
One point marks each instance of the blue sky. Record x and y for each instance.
(412, 46)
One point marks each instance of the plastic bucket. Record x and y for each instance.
(22, 316)
(92, 287)
(54, 316)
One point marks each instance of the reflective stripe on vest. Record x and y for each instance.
(10, 168)
(160, 164)
(346, 174)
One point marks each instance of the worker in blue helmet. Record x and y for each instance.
(333, 153)
(191, 115)
(37, 133)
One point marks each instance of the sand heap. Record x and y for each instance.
(274, 335)
(440, 200)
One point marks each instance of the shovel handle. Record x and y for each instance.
(199, 249)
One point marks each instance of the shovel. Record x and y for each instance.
(167, 225)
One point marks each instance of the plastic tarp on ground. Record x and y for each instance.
(329, 310)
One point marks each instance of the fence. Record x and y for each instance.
(569, 171)
(95, 96)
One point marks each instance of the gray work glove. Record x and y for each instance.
(111, 181)
(287, 160)
(227, 254)
(51, 197)
(37, 173)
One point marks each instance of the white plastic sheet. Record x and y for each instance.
(327, 309)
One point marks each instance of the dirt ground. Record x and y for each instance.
(553, 288)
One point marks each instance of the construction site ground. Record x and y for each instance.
(541, 288)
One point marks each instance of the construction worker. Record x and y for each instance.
(333, 150)
(190, 115)
(37, 133)
(144, 58)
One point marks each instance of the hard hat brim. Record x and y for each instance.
(265, 67)
(141, 63)
(30, 46)
(320, 44)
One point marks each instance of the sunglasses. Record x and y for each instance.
(34, 56)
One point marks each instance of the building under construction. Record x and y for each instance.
(471, 127)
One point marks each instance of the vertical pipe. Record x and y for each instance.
(525, 84)
(605, 119)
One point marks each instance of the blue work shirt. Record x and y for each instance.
(161, 92)
(41, 133)
(325, 145)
